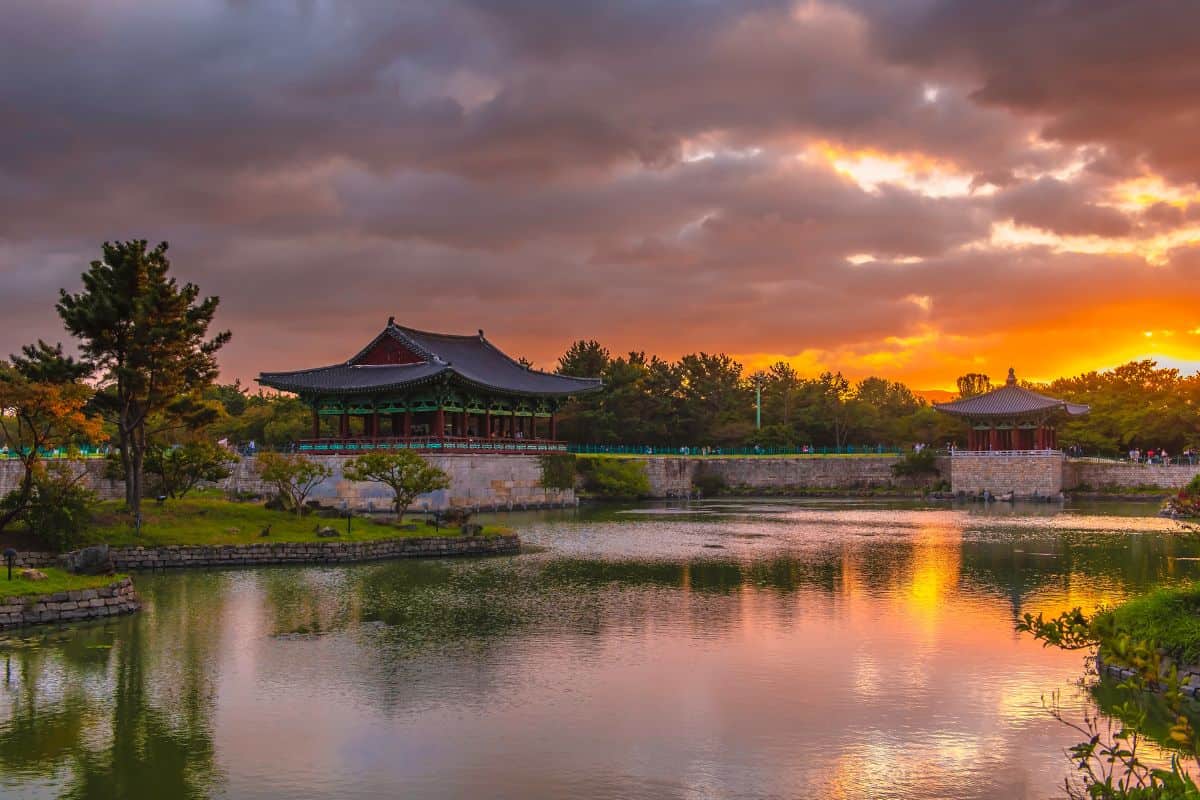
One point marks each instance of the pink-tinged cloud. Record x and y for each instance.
(914, 188)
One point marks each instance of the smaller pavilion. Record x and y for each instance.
(432, 391)
(1011, 418)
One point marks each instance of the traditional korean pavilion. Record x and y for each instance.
(411, 388)
(1011, 417)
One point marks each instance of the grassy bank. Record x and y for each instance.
(57, 580)
(1167, 617)
(215, 521)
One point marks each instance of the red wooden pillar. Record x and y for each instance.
(462, 424)
(375, 424)
(344, 425)
(397, 421)
(487, 423)
(316, 424)
(406, 431)
(553, 427)
(439, 422)
(995, 439)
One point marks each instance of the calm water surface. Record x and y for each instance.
(750, 649)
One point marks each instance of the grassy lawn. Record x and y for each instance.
(216, 521)
(1169, 617)
(57, 580)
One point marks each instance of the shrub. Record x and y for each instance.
(708, 482)
(916, 464)
(403, 471)
(293, 477)
(180, 469)
(613, 478)
(558, 470)
(60, 508)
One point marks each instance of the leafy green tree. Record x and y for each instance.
(584, 359)
(182, 468)
(403, 471)
(715, 402)
(60, 507)
(146, 337)
(781, 386)
(37, 416)
(973, 384)
(42, 363)
(293, 476)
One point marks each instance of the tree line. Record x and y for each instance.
(144, 383)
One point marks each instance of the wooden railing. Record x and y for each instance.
(449, 444)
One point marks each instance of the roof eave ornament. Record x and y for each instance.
(1012, 377)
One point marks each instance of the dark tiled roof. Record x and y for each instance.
(1009, 400)
(471, 358)
(350, 378)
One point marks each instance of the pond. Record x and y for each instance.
(725, 648)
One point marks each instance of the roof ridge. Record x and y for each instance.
(407, 329)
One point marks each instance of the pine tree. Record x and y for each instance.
(146, 338)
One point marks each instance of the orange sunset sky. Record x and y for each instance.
(911, 188)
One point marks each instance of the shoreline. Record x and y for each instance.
(76, 605)
(256, 554)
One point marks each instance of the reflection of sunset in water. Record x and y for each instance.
(745, 649)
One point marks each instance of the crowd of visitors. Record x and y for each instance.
(1161, 456)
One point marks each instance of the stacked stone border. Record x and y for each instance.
(235, 555)
(1189, 676)
(78, 604)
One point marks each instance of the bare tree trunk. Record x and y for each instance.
(133, 452)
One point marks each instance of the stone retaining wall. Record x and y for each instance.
(1102, 475)
(91, 469)
(72, 606)
(493, 482)
(1031, 474)
(674, 476)
(487, 481)
(331, 552)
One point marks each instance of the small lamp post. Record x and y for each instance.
(10, 555)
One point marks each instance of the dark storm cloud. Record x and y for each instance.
(1061, 208)
(1123, 74)
(649, 173)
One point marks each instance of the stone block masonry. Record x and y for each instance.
(1101, 475)
(1027, 474)
(79, 604)
(485, 481)
(247, 555)
(497, 482)
(91, 472)
(674, 476)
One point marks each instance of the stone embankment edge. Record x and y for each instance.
(118, 597)
(1189, 677)
(334, 552)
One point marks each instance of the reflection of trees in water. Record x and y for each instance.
(303, 600)
(1084, 563)
(121, 709)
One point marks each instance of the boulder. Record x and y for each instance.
(94, 560)
(33, 575)
(327, 533)
(471, 529)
